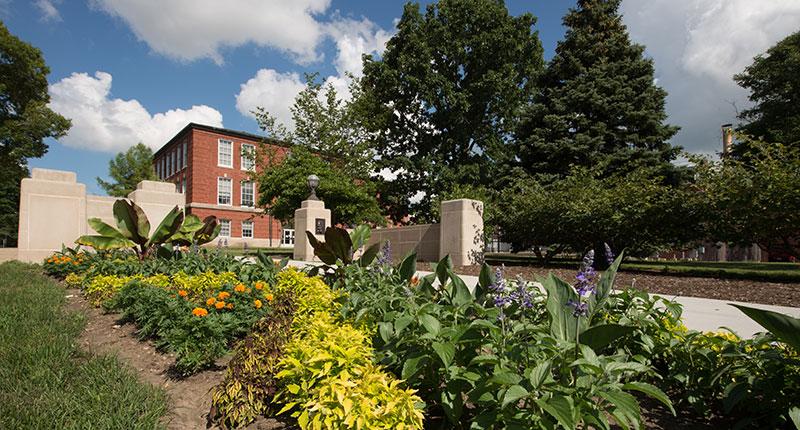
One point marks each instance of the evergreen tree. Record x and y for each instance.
(774, 83)
(597, 105)
(129, 168)
(444, 98)
(25, 121)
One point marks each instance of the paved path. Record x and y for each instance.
(698, 313)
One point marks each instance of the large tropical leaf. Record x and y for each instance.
(104, 242)
(169, 226)
(338, 241)
(185, 235)
(127, 222)
(369, 254)
(209, 231)
(360, 236)
(600, 336)
(408, 267)
(104, 229)
(142, 223)
(321, 249)
(784, 327)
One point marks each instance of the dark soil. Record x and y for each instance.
(190, 397)
(770, 293)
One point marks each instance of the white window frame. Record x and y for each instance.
(220, 144)
(185, 145)
(252, 229)
(252, 186)
(220, 181)
(251, 163)
(224, 228)
(287, 236)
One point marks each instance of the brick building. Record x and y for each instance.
(211, 166)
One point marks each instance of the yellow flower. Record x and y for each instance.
(239, 288)
(269, 297)
(219, 305)
(210, 301)
(223, 295)
(199, 312)
(182, 293)
(257, 303)
(259, 285)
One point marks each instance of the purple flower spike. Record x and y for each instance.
(579, 309)
(609, 254)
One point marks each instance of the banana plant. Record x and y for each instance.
(338, 248)
(197, 232)
(133, 230)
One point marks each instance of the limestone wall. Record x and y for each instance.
(54, 209)
(422, 238)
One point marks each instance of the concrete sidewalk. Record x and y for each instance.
(698, 313)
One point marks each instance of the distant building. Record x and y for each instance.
(212, 167)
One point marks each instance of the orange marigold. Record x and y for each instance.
(211, 301)
(229, 306)
(269, 297)
(239, 288)
(259, 285)
(199, 312)
(182, 293)
(219, 305)
(257, 304)
(223, 295)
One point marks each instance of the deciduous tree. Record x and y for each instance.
(127, 169)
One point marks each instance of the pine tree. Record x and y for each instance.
(597, 104)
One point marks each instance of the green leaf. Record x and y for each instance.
(600, 336)
(784, 327)
(624, 404)
(560, 408)
(540, 373)
(386, 330)
(369, 254)
(168, 226)
(360, 236)
(444, 266)
(513, 394)
(321, 249)
(445, 351)
(104, 229)
(652, 391)
(794, 415)
(125, 215)
(605, 285)
(461, 294)
(402, 322)
(562, 322)
(485, 279)
(431, 324)
(411, 366)
(104, 242)
(505, 377)
(408, 267)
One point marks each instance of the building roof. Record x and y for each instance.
(225, 131)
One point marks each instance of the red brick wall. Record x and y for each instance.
(261, 223)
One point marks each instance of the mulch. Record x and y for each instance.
(769, 293)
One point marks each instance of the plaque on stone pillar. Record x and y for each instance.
(319, 224)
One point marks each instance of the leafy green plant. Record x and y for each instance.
(339, 247)
(133, 230)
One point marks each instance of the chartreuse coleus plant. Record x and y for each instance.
(133, 230)
(489, 357)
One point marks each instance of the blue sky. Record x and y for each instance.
(162, 64)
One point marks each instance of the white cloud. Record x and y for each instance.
(271, 90)
(49, 10)
(276, 91)
(102, 123)
(698, 45)
(193, 29)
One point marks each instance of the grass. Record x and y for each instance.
(746, 270)
(45, 380)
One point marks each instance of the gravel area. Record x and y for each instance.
(769, 293)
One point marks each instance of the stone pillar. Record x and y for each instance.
(52, 212)
(461, 232)
(156, 200)
(312, 216)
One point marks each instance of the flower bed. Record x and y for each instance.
(374, 346)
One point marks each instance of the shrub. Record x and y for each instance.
(250, 382)
(102, 288)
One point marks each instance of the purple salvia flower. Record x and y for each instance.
(579, 309)
(609, 254)
(586, 277)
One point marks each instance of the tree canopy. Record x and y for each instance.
(774, 83)
(25, 121)
(596, 103)
(127, 169)
(443, 99)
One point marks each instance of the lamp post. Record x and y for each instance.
(313, 182)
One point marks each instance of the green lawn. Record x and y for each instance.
(46, 382)
(775, 272)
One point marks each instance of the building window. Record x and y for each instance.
(157, 168)
(224, 228)
(288, 237)
(174, 161)
(248, 194)
(179, 154)
(247, 229)
(163, 168)
(248, 156)
(224, 191)
(185, 145)
(184, 184)
(225, 153)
